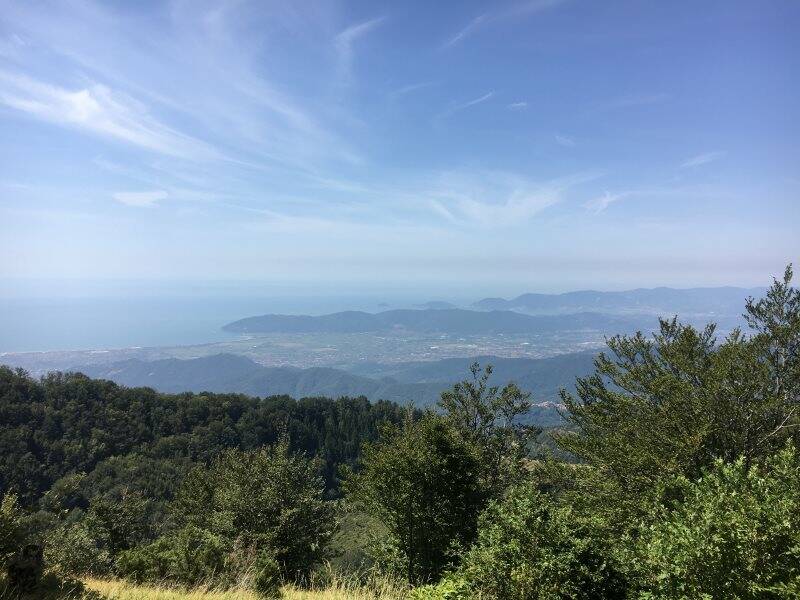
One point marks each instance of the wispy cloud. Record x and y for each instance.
(345, 40)
(141, 199)
(702, 159)
(499, 199)
(101, 111)
(516, 10)
(469, 103)
(518, 105)
(601, 203)
(469, 29)
(412, 87)
(564, 140)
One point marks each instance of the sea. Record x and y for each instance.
(50, 315)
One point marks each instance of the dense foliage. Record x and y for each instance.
(734, 532)
(67, 424)
(687, 477)
(429, 481)
(102, 474)
(259, 513)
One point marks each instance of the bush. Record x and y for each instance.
(733, 533)
(267, 580)
(265, 500)
(529, 547)
(12, 530)
(71, 548)
(189, 556)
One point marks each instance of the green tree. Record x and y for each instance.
(657, 408)
(12, 528)
(268, 500)
(118, 524)
(422, 481)
(489, 417)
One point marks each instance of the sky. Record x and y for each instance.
(535, 145)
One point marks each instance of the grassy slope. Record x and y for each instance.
(121, 590)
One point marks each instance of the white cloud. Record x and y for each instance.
(702, 159)
(470, 28)
(141, 198)
(345, 39)
(514, 11)
(518, 105)
(498, 199)
(467, 104)
(566, 141)
(601, 203)
(99, 110)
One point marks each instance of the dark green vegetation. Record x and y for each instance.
(682, 478)
(101, 475)
(687, 481)
(452, 321)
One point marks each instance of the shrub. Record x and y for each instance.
(267, 580)
(12, 530)
(189, 556)
(733, 533)
(71, 548)
(267, 500)
(530, 547)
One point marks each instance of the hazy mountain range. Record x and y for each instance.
(661, 301)
(420, 383)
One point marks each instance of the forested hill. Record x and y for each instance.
(137, 438)
(420, 383)
(231, 373)
(450, 321)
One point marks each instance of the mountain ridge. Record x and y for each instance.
(413, 382)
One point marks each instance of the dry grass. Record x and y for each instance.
(114, 589)
(337, 589)
(343, 590)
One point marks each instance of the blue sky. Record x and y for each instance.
(535, 145)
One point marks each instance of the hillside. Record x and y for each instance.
(449, 321)
(228, 373)
(417, 382)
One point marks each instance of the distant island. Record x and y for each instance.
(453, 321)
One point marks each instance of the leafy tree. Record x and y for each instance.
(657, 408)
(140, 440)
(118, 524)
(266, 499)
(422, 481)
(489, 417)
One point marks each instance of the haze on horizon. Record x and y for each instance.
(539, 145)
